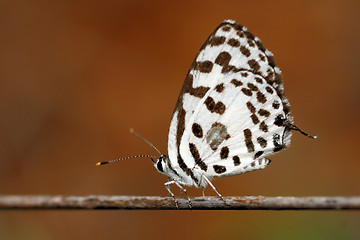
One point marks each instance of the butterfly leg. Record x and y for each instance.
(167, 186)
(184, 190)
(211, 185)
(200, 184)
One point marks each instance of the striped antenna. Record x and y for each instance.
(119, 159)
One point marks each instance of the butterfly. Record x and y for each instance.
(230, 115)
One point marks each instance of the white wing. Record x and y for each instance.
(231, 111)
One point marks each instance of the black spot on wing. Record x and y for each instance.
(197, 130)
(236, 160)
(224, 153)
(212, 106)
(196, 155)
(219, 169)
(248, 140)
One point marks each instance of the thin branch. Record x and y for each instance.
(163, 203)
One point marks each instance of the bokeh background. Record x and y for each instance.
(76, 75)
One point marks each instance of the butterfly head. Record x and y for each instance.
(161, 164)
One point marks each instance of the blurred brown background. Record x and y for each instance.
(76, 75)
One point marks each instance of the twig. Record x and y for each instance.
(163, 203)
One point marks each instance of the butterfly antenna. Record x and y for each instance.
(293, 127)
(119, 159)
(142, 138)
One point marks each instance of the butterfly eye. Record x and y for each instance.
(159, 166)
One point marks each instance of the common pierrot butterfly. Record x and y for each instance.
(230, 115)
